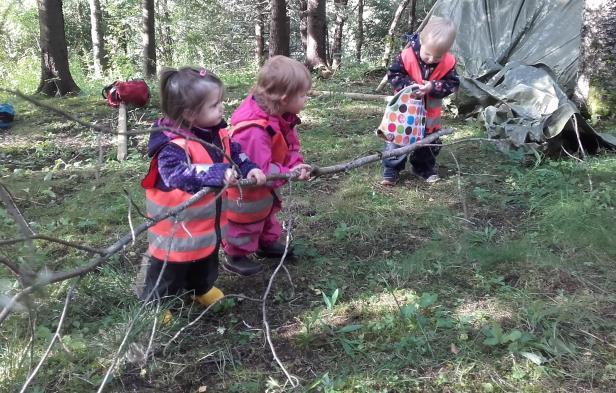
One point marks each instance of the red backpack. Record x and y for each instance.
(135, 92)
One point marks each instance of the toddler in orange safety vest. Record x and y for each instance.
(426, 64)
(188, 156)
(264, 125)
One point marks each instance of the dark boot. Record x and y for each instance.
(241, 265)
(275, 250)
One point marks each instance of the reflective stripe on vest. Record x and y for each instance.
(433, 105)
(192, 233)
(254, 204)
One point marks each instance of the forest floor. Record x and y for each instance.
(500, 277)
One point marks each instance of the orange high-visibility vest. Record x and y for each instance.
(433, 105)
(253, 204)
(191, 234)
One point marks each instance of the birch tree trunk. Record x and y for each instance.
(389, 40)
(359, 41)
(259, 37)
(96, 32)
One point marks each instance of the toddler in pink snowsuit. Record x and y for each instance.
(264, 126)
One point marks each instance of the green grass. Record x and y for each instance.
(500, 280)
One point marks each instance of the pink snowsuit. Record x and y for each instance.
(256, 142)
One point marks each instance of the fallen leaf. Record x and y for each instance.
(455, 350)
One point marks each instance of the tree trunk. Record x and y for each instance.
(389, 40)
(96, 32)
(259, 38)
(596, 86)
(412, 17)
(279, 29)
(164, 32)
(341, 16)
(303, 23)
(359, 41)
(148, 36)
(316, 33)
(55, 73)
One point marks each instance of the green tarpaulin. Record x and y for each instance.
(518, 61)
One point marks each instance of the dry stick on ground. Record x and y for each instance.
(356, 96)
(462, 197)
(292, 379)
(56, 336)
(577, 134)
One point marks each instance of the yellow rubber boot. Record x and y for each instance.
(210, 297)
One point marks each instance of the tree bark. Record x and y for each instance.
(359, 41)
(389, 40)
(96, 32)
(279, 29)
(259, 38)
(56, 78)
(303, 23)
(148, 35)
(341, 16)
(596, 84)
(164, 32)
(412, 17)
(316, 33)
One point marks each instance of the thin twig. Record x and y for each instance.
(207, 309)
(598, 338)
(462, 198)
(292, 379)
(136, 316)
(53, 338)
(53, 240)
(13, 210)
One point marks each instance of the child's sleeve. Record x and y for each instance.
(446, 86)
(241, 159)
(397, 76)
(175, 171)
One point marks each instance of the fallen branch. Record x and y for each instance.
(356, 96)
(317, 171)
(292, 379)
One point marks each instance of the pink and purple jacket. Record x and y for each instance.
(256, 142)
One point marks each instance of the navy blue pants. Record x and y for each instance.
(198, 276)
(423, 161)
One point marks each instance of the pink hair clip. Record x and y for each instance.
(203, 72)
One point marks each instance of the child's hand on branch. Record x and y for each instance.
(302, 171)
(256, 175)
(231, 177)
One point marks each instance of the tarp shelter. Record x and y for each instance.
(518, 62)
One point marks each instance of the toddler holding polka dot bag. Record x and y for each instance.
(422, 75)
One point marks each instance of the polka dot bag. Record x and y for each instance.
(404, 121)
